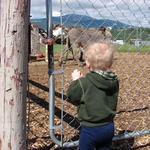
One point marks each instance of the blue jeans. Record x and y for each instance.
(96, 138)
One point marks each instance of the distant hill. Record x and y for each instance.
(81, 21)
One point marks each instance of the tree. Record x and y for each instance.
(14, 21)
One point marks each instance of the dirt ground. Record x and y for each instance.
(133, 70)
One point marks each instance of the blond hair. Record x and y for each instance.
(99, 56)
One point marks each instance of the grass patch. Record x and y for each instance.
(42, 49)
(117, 47)
(57, 48)
(131, 48)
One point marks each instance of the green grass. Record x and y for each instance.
(131, 48)
(57, 48)
(118, 48)
(42, 49)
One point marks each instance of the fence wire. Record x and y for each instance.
(129, 24)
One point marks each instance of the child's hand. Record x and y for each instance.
(76, 74)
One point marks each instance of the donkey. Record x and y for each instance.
(78, 40)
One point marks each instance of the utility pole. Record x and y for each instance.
(14, 21)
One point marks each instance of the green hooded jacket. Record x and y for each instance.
(96, 96)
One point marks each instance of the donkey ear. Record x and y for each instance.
(103, 29)
(57, 25)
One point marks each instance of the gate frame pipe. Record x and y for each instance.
(51, 72)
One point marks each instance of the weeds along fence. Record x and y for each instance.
(129, 24)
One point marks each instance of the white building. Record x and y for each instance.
(140, 42)
(120, 42)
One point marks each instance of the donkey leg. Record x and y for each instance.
(81, 57)
(61, 59)
(71, 49)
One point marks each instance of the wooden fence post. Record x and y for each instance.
(14, 21)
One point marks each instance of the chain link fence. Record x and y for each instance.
(129, 24)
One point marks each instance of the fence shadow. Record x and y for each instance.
(71, 120)
(136, 109)
(59, 95)
(44, 88)
(123, 144)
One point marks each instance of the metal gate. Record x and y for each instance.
(129, 24)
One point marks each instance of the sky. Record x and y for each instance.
(133, 12)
